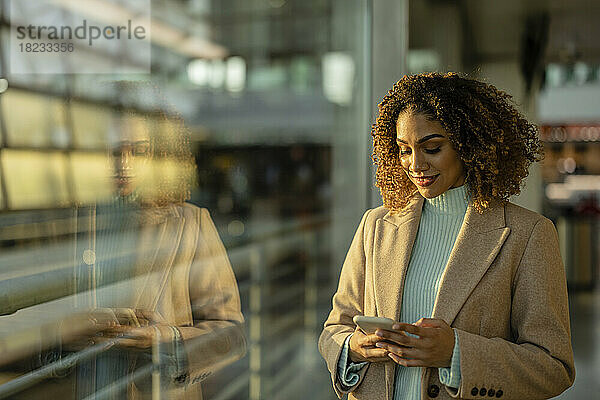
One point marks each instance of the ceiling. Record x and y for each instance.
(492, 31)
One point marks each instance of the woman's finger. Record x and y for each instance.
(101, 339)
(103, 317)
(134, 343)
(151, 316)
(415, 330)
(404, 352)
(117, 331)
(374, 352)
(405, 362)
(431, 323)
(397, 337)
(368, 340)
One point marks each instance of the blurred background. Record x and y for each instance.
(279, 97)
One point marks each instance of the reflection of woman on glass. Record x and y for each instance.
(159, 273)
(475, 283)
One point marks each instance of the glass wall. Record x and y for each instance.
(256, 113)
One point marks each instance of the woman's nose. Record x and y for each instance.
(418, 163)
(125, 159)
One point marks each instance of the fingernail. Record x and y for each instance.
(379, 333)
(396, 326)
(379, 344)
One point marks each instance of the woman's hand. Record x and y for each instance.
(362, 348)
(432, 348)
(78, 331)
(129, 337)
(135, 334)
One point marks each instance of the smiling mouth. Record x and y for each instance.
(123, 179)
(425, 180)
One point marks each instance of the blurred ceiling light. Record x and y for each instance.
(583, 182)
(573, 186)
(197, 47)
(581, 72)
(560, 165)
(569, 165)
(235, 74)
(586, 134)
(419, 60)
(555, 75)
(198, 71)
(217, 74)
(236, 228)
(160, 33)
(566, 165)
(338, 77)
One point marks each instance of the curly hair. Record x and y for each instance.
(171, 170)
(171, 152)
(493, 140)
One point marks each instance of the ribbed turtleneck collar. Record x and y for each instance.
(128, 200)
(453, 201)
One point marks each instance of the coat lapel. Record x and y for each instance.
(478, 243)
(158, 247)
(394, 239)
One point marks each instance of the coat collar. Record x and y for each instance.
(160, 239)
(479, 241)
(490, 220)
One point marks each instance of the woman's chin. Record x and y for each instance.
(428, 194)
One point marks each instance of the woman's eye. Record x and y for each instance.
(428, 151)
(141, 150)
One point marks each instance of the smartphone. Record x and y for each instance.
(370, 324)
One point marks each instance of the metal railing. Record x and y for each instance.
(280, 284)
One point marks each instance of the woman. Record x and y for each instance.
(475, 282)
(178, 290)
(152, 274)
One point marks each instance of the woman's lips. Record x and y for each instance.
(425, 181)
(123, 180)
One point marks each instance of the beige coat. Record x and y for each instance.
(184, 274)
(503, 291)
(190, 282)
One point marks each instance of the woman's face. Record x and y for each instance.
(130, 153)
(427, 155)
(128, 161)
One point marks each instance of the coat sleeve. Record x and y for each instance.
(538, 362)
(348, 301)
(217, 336)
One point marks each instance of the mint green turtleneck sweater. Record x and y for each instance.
(441, 220)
